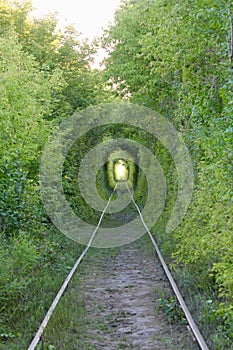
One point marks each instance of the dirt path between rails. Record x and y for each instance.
(121, 301)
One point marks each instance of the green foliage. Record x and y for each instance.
(172, 309)
(12, 206)
(44, 76)
(54, 50)
(21, 257)
(26, 100)
(175, 57)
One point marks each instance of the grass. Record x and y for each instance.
(36, 275)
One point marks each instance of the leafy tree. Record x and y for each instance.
(53, 50)
(176, 57)
(44, 76)
(26, 99)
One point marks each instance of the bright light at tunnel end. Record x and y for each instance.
(121, 172)
(70, 130)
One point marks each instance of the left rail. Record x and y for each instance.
(45, 321)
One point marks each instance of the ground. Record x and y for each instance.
(113, 303)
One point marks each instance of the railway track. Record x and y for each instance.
(192, 326)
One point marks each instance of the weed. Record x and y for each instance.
(172, 310)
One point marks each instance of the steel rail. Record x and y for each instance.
(193, 326)
(45, 321)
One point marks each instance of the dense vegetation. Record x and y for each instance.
(45, 75)
(174, 57)
(177, 58)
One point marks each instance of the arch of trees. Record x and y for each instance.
(175, 57)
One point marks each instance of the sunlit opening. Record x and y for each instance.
(121, 172)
